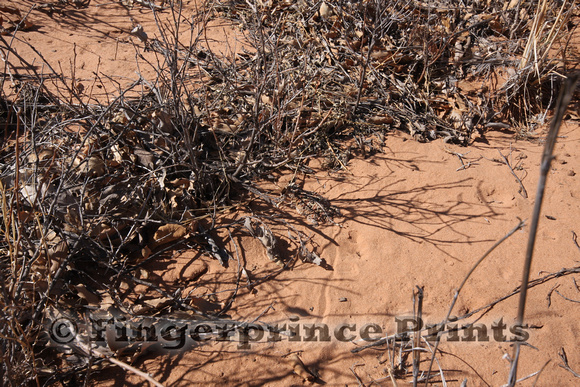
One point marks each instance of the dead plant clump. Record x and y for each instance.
(92, 191)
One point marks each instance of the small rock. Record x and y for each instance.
(571, 172)
(342, 299)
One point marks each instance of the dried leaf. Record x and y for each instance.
(119, 153)
(73, 218)
(158, 303)
(218, 253)
(300, 369)
(163, 121)
(102, 231)
(168, 233)
(139, 33)
(83, 292)
(381, 120)
(181, 183)
(120, 118)
(310, 256)
(265, 235)
(145, 252)
(107, 302)
(41, 156)
(248, 225)
(145, 158)
(512, 4)
(57, 254)
(93, 166)
(324, 10)
(266, 99)
(30, 192)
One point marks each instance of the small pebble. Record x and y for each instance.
(342, 299)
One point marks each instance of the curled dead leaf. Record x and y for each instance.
(381, 120)
(299, 368)
(56, 254)
(324, 10)
(163, 121)
(106, 302)
(143, 274)
(157, 303)
(266, 99)
(120, 118)
(145, 252)
(168, 233)
(265, 235)
(139, 33)
(43, 155)
(92, 166)
(145, 158)
(119, 153)
(181, 183)
(84, 293)
(102, 231)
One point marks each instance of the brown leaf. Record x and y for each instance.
(73, 218)
(107, 302)
(168, 233)
(265, 235)
(57, 253)
(145, 158)
(145, 252)
(299, 368)
(102, 231)
(158, 303)
(381, 120)
(93, 166)
(119, 118)
(324, 10)
(83, 292)
(43, 155)
(163, 120)
(181, 183)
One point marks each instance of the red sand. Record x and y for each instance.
(409, 218)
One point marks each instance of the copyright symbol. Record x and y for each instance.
(63, 330)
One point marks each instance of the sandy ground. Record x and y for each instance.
(411, 217)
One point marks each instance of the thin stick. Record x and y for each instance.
(144, 375)
(539, 373)
(496, 244)
(563, 101)
(523, 191)
(417, 335)
(565, 364)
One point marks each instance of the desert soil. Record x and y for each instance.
(410, 217)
